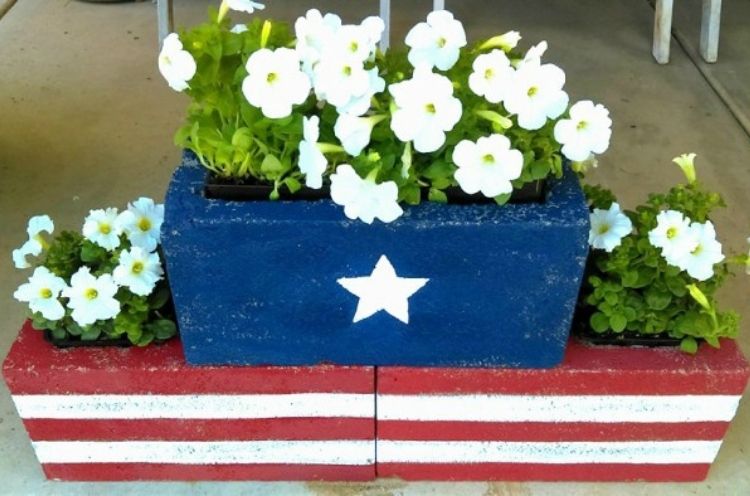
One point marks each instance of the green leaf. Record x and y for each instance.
(163, 328)
(91, 334)
(689, 345)
(618, 322)
(271, 166)
(599, 322)
(502, 199)
(59, 333)
(436, 195)
(658, 300)
(159, 297)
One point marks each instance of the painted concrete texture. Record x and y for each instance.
(88, 123)
(472, 257)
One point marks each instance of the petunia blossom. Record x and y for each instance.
(492, 73)
(275, 82)
(312, 162)
(437, 42)
(699, 262)
(673, 235)
(425, 109)
(141, 222)
(586, 131)
(487, 165)
(176, 65)
(42, 293)
(102, 228)
(608, 227)
(138, 270)
(91, 298)
(364, 199)
(535, 94)
(36, 243)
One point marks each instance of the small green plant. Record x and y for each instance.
(103, 284)
(655, 270)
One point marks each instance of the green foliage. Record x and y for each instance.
(634, 290)
(237, 143)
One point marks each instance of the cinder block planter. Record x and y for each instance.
(606, 414)
(142, 414)
(256, 282)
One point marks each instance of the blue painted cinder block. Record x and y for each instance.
(256, 282)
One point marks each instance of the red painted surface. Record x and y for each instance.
(161, 471)
(200, 429)
(588, 370)
(157, 369)
(34, 367)
(598, 472)
(547, 431)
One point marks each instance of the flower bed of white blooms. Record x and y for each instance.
(325, 106)
(104, 283)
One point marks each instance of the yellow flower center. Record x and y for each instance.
(347, 70)
(91, 293)
(354, 46)
(671, 232)
(441, 42)
(488, 74)
(105, 228)
(430, 108)
(488, 159)
(46, 293)
(603, 229)
(144, 224)
(698, 249)
(271, 77)
(532, 91)
(582, 125)
(137, 267)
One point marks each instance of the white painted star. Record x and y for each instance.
(382, 290)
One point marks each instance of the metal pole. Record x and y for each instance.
(164, 18)
(385, 14)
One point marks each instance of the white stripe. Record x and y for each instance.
(520, 408)
(523, 452)
(200, 406)
(207, 453)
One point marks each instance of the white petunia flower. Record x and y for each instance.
(141, 222)
(437, 42)
(608, 227)
(535, 93)
(363, 199)
(312, 162)
(91, 298)
(42, 293)
(354, 41)
(491, 76)
(340, 77)
(139, 271)
(686, 163)
(699, 262)
(489, 165)
(275, 82)
(238, 28)
(176, 65)
(374, 26)
(314, 32)
(425, 109)
(359, 105)
(354, 132)
(673, 235)
(587, 131)
(35, 245)
(101, 227)
(247, 6)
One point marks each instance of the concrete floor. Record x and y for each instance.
(88, 122)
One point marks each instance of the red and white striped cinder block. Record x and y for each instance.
(141, 413)
(606, 414)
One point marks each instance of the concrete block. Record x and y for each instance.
(257, 282)
(605, 414)
(114, 414)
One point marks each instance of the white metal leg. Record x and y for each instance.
(662, 30)
(164, 18)
(385, 14)
(438, 5)
(710, 22)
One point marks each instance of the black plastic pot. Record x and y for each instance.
(215, 188)
(121, 342)
(627, 339)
